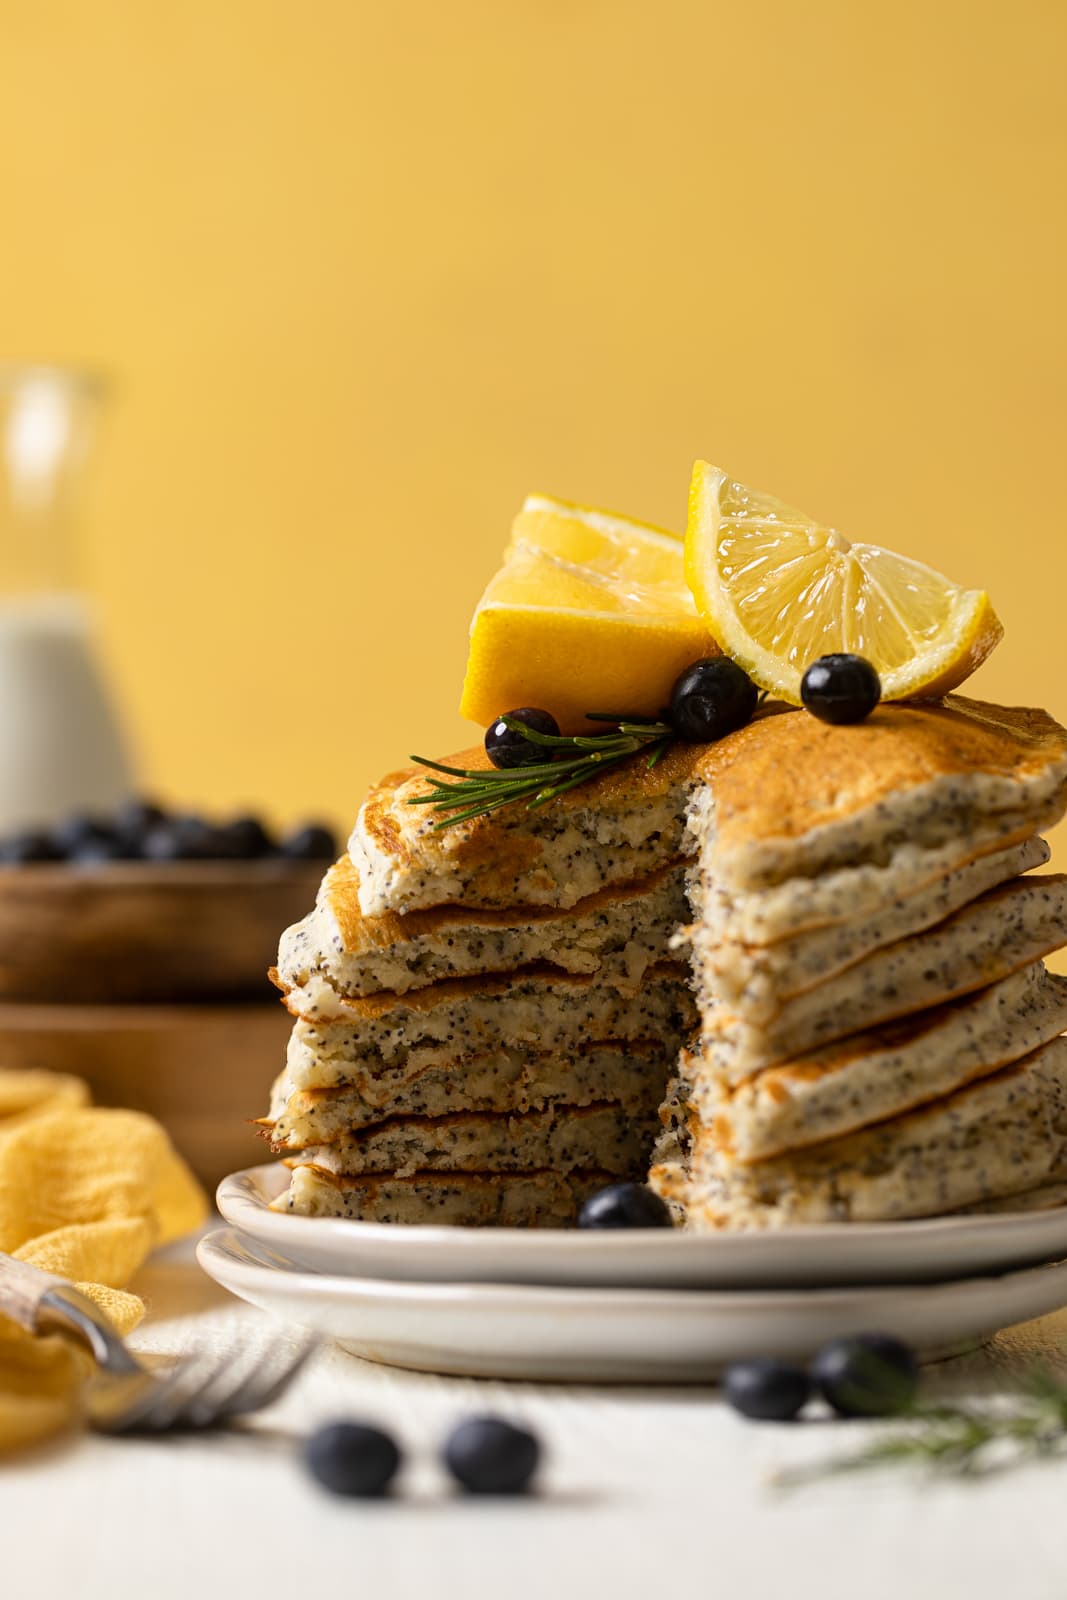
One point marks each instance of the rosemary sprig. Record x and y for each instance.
(960, 1440)
(571, 760)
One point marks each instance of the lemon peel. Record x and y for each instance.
(778, 589)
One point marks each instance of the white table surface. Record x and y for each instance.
(646, 1492)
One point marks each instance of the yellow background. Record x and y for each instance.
(363, 276)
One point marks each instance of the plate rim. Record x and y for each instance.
(554, 1296)
(236, 1192)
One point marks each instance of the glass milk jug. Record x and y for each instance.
(61, 748)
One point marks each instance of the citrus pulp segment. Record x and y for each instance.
(778, 590)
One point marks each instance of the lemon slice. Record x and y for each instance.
(590, 612)
(777, 590)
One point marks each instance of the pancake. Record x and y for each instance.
(847, 894)
(760, 979)
(870, 1077)
(793, 797)
(1004, 1135)
(631, 1075)
(1005, 930)
(459, 1199)
(1046, 1197)
(785, 797)
(451, 1022)
(626, 824)
(484, 1013)
(617, 933)
(562, 1139)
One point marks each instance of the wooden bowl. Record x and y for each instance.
(143, 931)
(203, 1071)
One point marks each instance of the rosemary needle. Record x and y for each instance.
(962, 1440)
(572, 759)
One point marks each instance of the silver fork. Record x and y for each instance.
(200, 1391)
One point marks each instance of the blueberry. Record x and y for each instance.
(78, 831)
(766, 1390)
(244, 839)
(867, 1375)
(352, 1458)
(132, 823)
(506, 747)
(181, 839)
(30, 845)
(840, 688)
(162, 843)
(624, 1205)
(490, 1456)
(98, 852)
(711, 698)
(136, 816)
(201, 839)
(313, 842)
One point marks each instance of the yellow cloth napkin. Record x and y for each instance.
(85, 1193)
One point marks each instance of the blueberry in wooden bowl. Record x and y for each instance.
(151, 905)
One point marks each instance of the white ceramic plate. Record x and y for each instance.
(613, 1335)
(892, 1252)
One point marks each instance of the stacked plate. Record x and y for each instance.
(629, 1306)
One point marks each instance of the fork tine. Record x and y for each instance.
(183, 1406)
(201, 1406)
(257, 1390)
(199, 1391)
(160, 1407)
(116, 1407)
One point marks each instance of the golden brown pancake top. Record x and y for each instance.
(782, 776)
(392, 823)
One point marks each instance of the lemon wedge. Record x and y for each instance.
(590, 612)
(778, 590)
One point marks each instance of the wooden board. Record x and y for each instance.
(203, 1071)
(142, 931)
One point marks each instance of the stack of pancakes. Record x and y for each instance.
(488, 1015)
(879, 1037)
